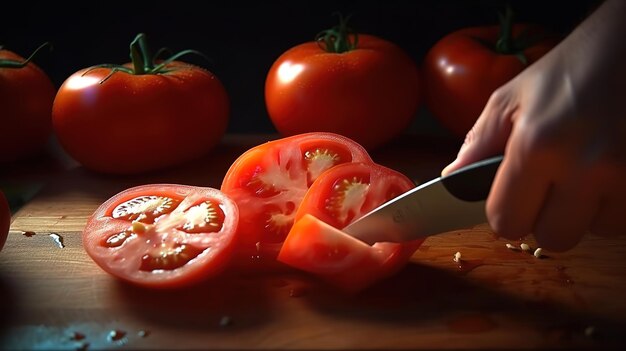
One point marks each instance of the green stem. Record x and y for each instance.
(339, 38)
(142, 61)
(140, 55)
(506, 44)
(5, 63)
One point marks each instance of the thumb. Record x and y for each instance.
(488, 136)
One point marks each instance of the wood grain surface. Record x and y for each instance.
(55, 297)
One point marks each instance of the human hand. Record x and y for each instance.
(561, 125)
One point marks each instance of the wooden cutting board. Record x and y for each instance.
(55, 297)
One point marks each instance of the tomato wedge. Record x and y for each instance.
(163, 235)
(338, 197)
(269, 181)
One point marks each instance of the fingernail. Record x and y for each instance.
(448, 168)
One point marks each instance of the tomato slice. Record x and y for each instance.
(338, 197)
(163, 235)
(269, 181)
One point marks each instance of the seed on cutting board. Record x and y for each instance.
(538, 252)
(510, 246)
(525, 247)
(457, 257)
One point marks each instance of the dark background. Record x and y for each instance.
(243, 38)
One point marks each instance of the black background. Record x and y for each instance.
(243, 38)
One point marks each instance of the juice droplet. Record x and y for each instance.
(466, 266)
(563, 277)
(143, 333)
(471, 323)
(116, 335)
(57, 239)
(28, 233)
(77, 336)
(297, 291)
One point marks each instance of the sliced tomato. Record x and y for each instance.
(163, 235)
(269, 181)
(338, 197)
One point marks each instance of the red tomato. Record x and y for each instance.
(268, 182)
(464, 68)
(127, 122)
(5, 219)
(369, 92)
(26, 96)
(163, 235)
(339, 196)
(348, 263)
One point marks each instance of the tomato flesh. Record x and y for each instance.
(269, 181)
(163, 235)
(338, 197)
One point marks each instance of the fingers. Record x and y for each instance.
(566, 215)
(517, 195)
(611, 217)
(489, 135)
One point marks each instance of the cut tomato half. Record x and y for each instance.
(269, 181)
(163, 235)
(338, 197)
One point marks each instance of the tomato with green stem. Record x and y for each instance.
(163, 235)
(269, 181)
(142, 116)
(357, 85)
(465, 67)
(337, 198)
(26, 96)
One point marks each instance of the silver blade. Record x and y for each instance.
(426, 210)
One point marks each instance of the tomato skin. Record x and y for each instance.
(125, 260)
(461, 72)
(26, 96)
(369, 94)
(316, 244)
(5, 219)
(139, 123)
(270, 180)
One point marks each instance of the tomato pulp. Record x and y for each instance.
(269, 181)
(163, 235)
(338, 197)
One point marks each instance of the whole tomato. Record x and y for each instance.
(141, 116)
(465, 67)
(26, 95)
(356, 85)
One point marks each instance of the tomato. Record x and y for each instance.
(26, 95)
(367, 90)
(163, 235)
(5, 219)
(269, 181)
(338, 197)
(465, 67)
(115, 119)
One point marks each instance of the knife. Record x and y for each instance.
(443, 204)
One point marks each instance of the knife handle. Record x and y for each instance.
(473, 182)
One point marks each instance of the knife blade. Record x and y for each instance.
(456, 201)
